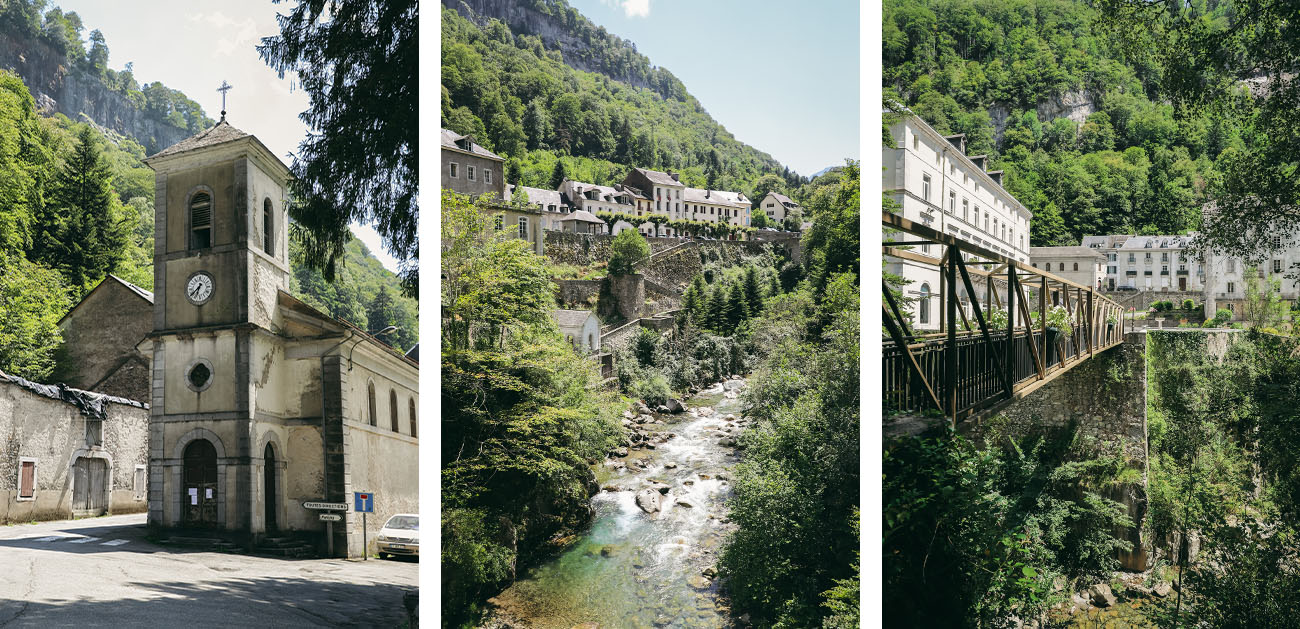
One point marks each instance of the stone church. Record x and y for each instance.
(259, 402)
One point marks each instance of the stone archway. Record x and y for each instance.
(270, 490)
(200, 492)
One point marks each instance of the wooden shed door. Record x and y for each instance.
(88, 486)
(199, 485)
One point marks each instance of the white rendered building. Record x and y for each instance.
(937, 185)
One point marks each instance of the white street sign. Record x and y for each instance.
(330, 517)
(327, 506)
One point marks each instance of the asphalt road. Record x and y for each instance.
(101, 572)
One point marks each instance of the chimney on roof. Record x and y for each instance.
(706, 193)
(958, 141)
(674, 176)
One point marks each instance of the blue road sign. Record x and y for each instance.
(365, 502)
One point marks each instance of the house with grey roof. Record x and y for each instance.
(580, 328)
(469, 168)
(100, 334)
(1080, 265)
(777, 206)
(552, 204)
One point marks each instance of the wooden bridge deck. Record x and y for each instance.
(964, 367)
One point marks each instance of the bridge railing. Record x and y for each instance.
(961, 363)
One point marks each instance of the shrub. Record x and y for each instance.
(1189, 304)
(1222, 316)
(653, 389)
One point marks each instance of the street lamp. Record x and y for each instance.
(384, 332)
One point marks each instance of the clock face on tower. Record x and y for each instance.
(199, 288)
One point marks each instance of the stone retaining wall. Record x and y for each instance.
(573, 293)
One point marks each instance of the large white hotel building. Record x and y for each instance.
(939, 186)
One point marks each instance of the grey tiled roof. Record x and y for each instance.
(135, 289)
(571, 318)
(784, 200)
(661, 178)
(220, 133)
(717, 197)
(1060, 252)
(449, 139)
(539, 196)
(582, 215)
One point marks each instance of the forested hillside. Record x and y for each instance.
(516, 96)
(1088, 142)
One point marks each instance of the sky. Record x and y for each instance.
(780, 76)
(192, 47)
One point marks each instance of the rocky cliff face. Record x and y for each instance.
(1076, 105)
(555, 35)
(72, 93)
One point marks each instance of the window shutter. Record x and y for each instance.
(27, 480)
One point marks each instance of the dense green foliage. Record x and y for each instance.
(987, 68)
(520, 100)
(791, 561)
(1232, 61)
(358, 62)
(975, 536)
(363, 293)
(521, 411)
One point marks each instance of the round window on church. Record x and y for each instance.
(199, 376)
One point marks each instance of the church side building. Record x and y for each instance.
(259, 402)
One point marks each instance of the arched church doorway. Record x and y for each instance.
(268, 485)
(199, 484)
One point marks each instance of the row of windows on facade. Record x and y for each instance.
(201, 223)
(469, 173)
(952, 164)
(27, 470)
(392, 410)
(1060, 266)
(965, 214)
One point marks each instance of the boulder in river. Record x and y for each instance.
(1101, 596)
(727, 442)
(670, 466)
(732, 385)
(628, 414)
(649, 500)
(661, 409)
(698, 583)
(608, 550)
(685, 504)
(620, 452)
(662, 488)
(709, 572)
(674, 405)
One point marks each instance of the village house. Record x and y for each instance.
(937, 185)
(716, 206)
(551, 203)
(1149, 263)
(580, 328)
(664, 189)
(260, 403)
(777, 206)
(99, 338)
(70, 453)
(468, 168)
(1080, 265)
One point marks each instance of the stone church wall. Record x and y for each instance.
(100, 336)
(53, 432)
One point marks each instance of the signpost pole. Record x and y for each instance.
(329, 538)
(365, 544)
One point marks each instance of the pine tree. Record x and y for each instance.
(94, 237)
(717, 310)
(753, 292)
(381, 313)
(558, 175)
(737, 307)
(773, 285)
(700, 313)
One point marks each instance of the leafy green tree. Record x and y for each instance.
(758, 219)
(32, 301)
(492, 281)
(628, 248)
(359, 69)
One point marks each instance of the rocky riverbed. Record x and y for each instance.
(649, 558)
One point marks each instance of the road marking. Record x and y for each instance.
(83, 540)
(47, 539)
(116, 542)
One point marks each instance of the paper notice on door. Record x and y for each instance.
(208, 493)
(194, 495)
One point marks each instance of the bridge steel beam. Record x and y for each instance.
(974, 358)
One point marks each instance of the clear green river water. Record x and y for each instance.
(636, 570)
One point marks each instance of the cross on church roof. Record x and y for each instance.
(225, 87)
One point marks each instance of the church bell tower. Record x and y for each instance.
(220, 259)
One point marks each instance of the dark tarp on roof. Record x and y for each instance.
(90, 404)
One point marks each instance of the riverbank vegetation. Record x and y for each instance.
(522, 413)
(791, 562)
